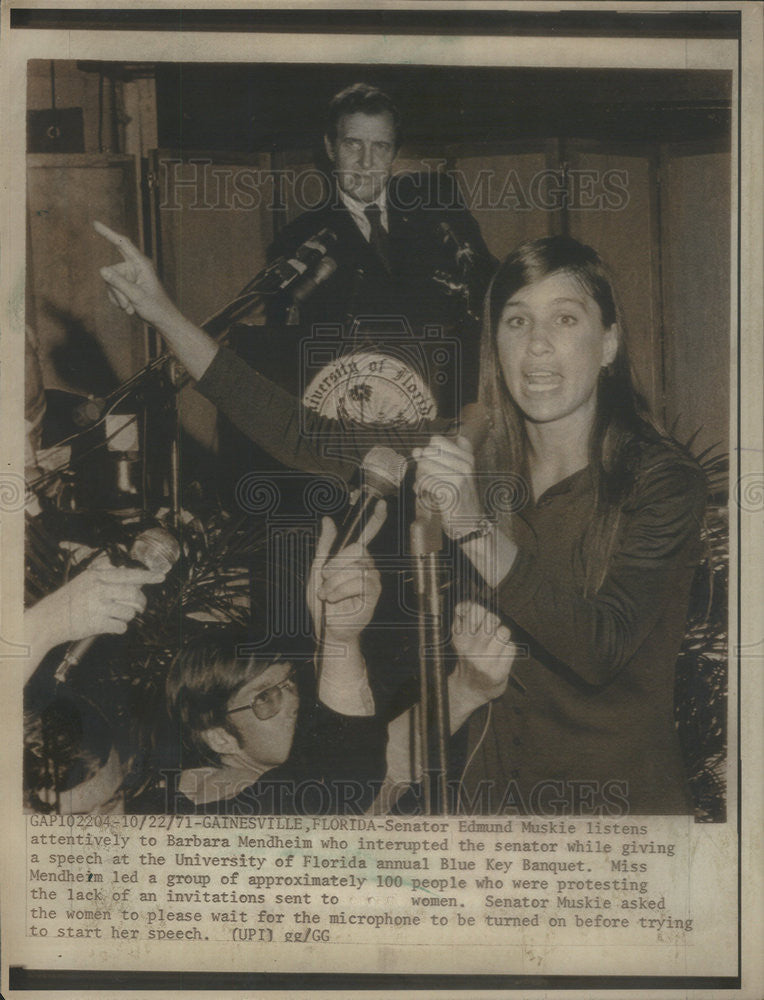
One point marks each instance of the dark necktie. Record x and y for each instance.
(378, 238)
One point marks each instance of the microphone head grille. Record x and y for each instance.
(157, 549)
(383, 470)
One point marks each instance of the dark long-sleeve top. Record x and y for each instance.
(587, 724)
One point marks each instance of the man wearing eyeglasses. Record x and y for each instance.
(269, 746)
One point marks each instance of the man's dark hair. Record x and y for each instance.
(204, 676)
(361, 98)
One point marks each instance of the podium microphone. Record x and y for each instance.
(305, 287)
(286, 270)
(302, 290)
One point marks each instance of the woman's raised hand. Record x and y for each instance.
(133, 284)
(486, 654)
(445, 483)
(348, 585)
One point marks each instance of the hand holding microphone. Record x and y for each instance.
(343, 589)
(382, 473)
(104, 599)
(445, 477)
(340, 600)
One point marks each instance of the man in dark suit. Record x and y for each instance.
(409, 257)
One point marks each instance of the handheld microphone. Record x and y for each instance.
(382, 473)
(157, 550)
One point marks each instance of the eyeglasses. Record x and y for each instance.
(267, 703)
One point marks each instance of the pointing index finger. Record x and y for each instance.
(125, 246)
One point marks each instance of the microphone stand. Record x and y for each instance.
(174, 476)
(426, 544)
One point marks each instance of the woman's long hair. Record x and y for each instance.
(622, 416)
